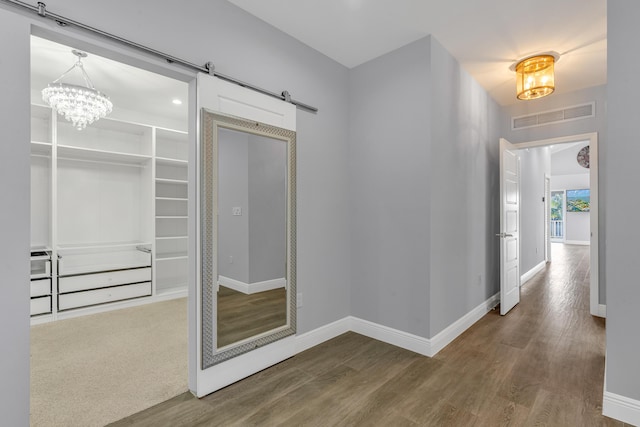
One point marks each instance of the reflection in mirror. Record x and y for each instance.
(248, 236)
(252, 236)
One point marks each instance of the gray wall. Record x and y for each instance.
(424, 186)
(390, 188)
(464, 191)
(233, 191)
(267, 208)
(534, 164)
(595, 124)
(622, 206)
(14, 221)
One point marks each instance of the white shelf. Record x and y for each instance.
(171, 256)
(170, 161)
(77, 153)
(172, 181)
(40, 148)
(176, 199)
(171, 238)
(171, 217)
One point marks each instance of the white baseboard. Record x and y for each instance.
(251, 288)
(392, 336)
(324, 333)
(425, 346)
(577, 242)
(453, 331)
(529, 274)
(621, 408)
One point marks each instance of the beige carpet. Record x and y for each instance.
(93, 370)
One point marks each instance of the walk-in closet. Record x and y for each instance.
(108, 202)
(109, 248)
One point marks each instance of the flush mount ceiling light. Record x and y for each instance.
(535, 75)
(81, 105)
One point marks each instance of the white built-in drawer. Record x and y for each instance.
(40, 287)
(40, 305)
(101, 296)
(100, 280)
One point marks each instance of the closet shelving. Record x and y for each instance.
(109, 203)
(171, 189)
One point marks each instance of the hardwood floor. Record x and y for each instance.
(541, 365)
(242, 316)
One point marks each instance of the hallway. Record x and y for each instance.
(542, 364)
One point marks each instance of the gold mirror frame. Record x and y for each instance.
(211, 122)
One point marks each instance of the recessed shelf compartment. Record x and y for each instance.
(171, 207)
(171, 171)
(171, 274)
(171, 189)
(172, 144)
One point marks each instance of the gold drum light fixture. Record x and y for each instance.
(81, 105)
(535, 76)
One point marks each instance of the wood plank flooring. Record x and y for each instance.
(541, 365)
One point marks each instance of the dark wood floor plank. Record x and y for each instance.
(540, 365)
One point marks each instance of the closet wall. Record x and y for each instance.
(108, 217)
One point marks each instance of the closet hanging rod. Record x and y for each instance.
(41, 10)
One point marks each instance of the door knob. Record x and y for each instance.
(503, 235)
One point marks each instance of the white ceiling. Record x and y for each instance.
(137, 95)
(486, 36)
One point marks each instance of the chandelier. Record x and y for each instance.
(81, 105)
(535, 76)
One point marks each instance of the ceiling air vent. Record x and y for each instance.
(555, 116)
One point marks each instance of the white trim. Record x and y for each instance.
(251, 288)
(602, 310)
(621, 408)
(323, 333)
(529, 274)
(392, 336)
(450, 333)
(415, 343)
(577, 242)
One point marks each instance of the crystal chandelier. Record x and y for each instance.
(81, 105)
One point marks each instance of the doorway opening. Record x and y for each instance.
(587, 232)
(109, 241)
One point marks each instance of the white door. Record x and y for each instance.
(509, 227)
(220, 96)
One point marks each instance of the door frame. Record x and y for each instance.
(595, 308)
(547, 218)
